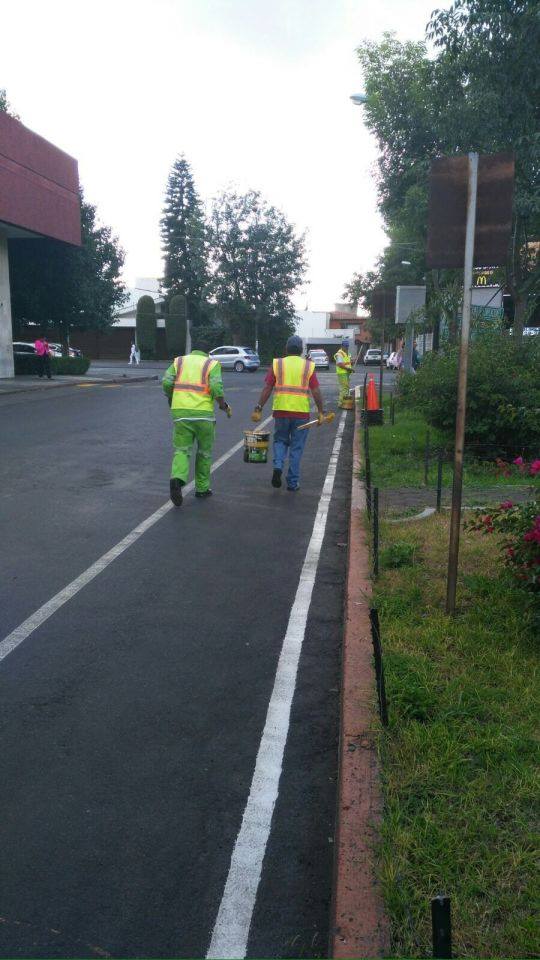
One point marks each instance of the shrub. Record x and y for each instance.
(519, 525)
(176, 326)
(503, 392)
(60, 366)
(25, 364)
(399, 554)
(145, 323)
(69, 366)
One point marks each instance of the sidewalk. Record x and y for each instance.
(24, 384)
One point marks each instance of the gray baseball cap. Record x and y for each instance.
(294, 344)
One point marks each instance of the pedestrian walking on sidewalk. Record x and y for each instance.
(134, 356)
(41, 346)
(343, 370)
(192, 385)
(291, 379)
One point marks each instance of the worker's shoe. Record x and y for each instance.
(203, 493)
(276, 478)
(293, 489)
(176, 491)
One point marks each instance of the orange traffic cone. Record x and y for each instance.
(372, 402)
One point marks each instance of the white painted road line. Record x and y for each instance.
(23, 631)
(231, 930)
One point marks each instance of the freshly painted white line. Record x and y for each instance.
(231, 930)
(23, 631)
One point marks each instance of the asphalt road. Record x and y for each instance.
(131, 718)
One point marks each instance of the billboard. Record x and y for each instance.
(448, 188)
(409, 299)
(39, 186)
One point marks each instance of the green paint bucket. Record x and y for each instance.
(256, 446)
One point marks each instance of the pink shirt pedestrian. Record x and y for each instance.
(41, 348)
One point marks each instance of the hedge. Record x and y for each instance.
(60, 366)
(176, 326)
(146, 327)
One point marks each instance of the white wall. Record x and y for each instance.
(311, 323)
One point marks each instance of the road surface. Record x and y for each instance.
(144, 734)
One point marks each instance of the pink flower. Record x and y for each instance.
(506, 505)
(518, 461)
(534, 468)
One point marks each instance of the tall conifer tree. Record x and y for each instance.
(183, 235)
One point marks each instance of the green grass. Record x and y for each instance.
(397, 456)
(460, 756)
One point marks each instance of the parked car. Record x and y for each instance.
(319, 358)
(236, 358)
(21, 349)
(56, 350)
(372, 356)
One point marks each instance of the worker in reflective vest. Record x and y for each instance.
(343, 370)
(192, 384)
(291, 379)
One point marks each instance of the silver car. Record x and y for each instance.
(319, 358)
(236, 358)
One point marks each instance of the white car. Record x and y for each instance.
(372, 356)
(319, 358)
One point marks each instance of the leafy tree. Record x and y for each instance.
(176, 326)
(183, 235)
(492, 47)
(5, 106)
(59, 286)
(473, 96)
(258, 262)
(145, 324)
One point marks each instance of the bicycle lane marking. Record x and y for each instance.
(231, 929)
(36, 619)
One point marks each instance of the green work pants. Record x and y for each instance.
(185, 434)
(343, 383)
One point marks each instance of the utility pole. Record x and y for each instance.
(455, 517)
(381, 370)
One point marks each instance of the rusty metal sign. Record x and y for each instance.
(448, 209)
(383, 304)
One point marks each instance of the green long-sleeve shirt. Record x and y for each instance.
(215, 383)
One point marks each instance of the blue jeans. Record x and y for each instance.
(288, 438)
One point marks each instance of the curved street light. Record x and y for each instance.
(359, 99)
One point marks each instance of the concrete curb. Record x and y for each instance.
(76, 383)
(359, 925)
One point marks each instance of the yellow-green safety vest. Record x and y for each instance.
(291, 390)
(341, 355)
(191, 389)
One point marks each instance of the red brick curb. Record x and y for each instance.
(359, 925)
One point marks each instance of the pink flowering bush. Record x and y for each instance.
(519, 525)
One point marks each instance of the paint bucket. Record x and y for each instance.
(347, 404)
(256, 446)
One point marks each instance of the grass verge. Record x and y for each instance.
(397, 456)
(460, 756)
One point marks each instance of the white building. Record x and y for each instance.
(144, 286)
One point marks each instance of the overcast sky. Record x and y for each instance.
(254, 92)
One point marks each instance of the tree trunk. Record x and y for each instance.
(520, 305)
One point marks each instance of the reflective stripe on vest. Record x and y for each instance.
(341, 356)
(192, 384)
(291, 390)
